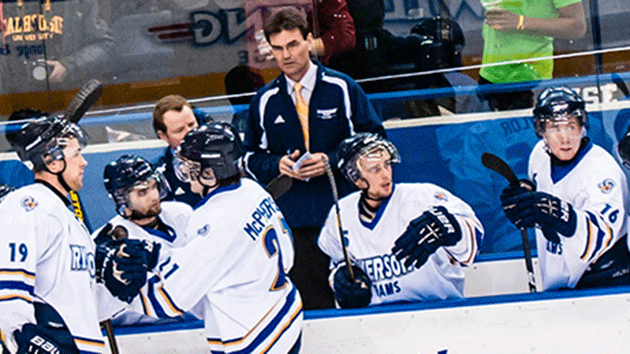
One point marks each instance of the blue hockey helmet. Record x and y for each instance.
(217, 146)
(42, 140)
(351, 149)
(557, 104)
(127, 172)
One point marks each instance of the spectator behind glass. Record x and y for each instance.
(77, 44)
(332, 27)
(519, 30)
(334, 108)
(173, 117)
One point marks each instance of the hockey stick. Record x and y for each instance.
(279, 185)
(81, 102)
(333, 186)
(495, 163)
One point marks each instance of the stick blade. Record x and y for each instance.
(496, 164)
(83, 100)
(279, 185)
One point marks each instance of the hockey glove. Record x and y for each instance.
(37, 339)
(108, 233)
(122, 265)
(352, 293)
(550, 213)
(425, 234)
(507, 200)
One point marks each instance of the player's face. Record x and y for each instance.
(376, 169)
(144, 198)
(75, 164)
(292, 52)
(563, 137)
(178, 124)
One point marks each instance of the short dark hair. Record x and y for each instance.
(286, 19)
(165, 104)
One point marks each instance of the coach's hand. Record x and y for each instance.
(122, 265)
(425, 234)
(352, 293)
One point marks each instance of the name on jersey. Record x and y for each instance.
(82, 259)
(260, 217)
(382, 268)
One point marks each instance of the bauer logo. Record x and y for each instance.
(28, 203)
(607, 186)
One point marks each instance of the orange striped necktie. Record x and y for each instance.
(302, 111)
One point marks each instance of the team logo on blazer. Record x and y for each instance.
(326, 114)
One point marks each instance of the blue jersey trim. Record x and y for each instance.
(16, 285)
(265, 332)
(151, 295)
(559, 172)
(160, 234)
(379, 213)
(218, 190)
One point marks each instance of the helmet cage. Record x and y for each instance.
(350, 167)
(557, 104)
(120, 196)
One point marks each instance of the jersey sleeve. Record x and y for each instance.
(601, 222)
(23, 240)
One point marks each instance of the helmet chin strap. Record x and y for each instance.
(60, 178)
(366, 195)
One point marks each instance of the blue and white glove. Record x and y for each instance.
(552, 214)
(122, 265)
(351, 293)
(37, 339)
(425, 234)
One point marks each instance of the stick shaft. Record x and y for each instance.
(496, 164)
(333, 186)
(111, 338)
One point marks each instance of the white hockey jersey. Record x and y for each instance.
(370, 244)
(175, 216)
(47, 255)
(596, 188)
(235, 268)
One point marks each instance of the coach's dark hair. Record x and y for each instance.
(165, 104)
(287, 19)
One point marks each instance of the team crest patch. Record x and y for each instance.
(28, 203)
(440, 196)
(204, 230)
(606, 186)
(326, 114)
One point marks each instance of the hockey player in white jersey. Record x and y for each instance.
(234, 269)
(576, 199)
(408, 242)
(137, 190)
(47, 258)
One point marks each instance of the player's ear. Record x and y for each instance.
(54, 166)
(361, 183)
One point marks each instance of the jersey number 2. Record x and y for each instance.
(272, 246)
